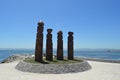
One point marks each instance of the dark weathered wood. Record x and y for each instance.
(49, 46)
(70, 46)
(59, 46)
(39, 42)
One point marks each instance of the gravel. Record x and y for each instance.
(53, 68)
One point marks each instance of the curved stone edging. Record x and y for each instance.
(53, 68)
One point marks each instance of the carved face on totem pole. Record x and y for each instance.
(40, 26)
(60, 32)
(70, 33)
(49, 30)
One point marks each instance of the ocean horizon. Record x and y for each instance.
(109, 54)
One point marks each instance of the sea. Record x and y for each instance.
(85, 53)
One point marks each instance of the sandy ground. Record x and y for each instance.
(99, 71)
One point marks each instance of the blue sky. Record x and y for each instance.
(95, 23)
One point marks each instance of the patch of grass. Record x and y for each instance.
(55, 61)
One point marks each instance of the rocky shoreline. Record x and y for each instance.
(16, 57)
(20, 57)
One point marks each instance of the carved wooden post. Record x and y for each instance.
(39, 42)
(49, 46)
(70, 46)
(60, 46)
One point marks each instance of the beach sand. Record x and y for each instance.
(99, 71)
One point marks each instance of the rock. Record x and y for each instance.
(53, 68)
(16, 57)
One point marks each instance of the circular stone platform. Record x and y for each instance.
(53, 68)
